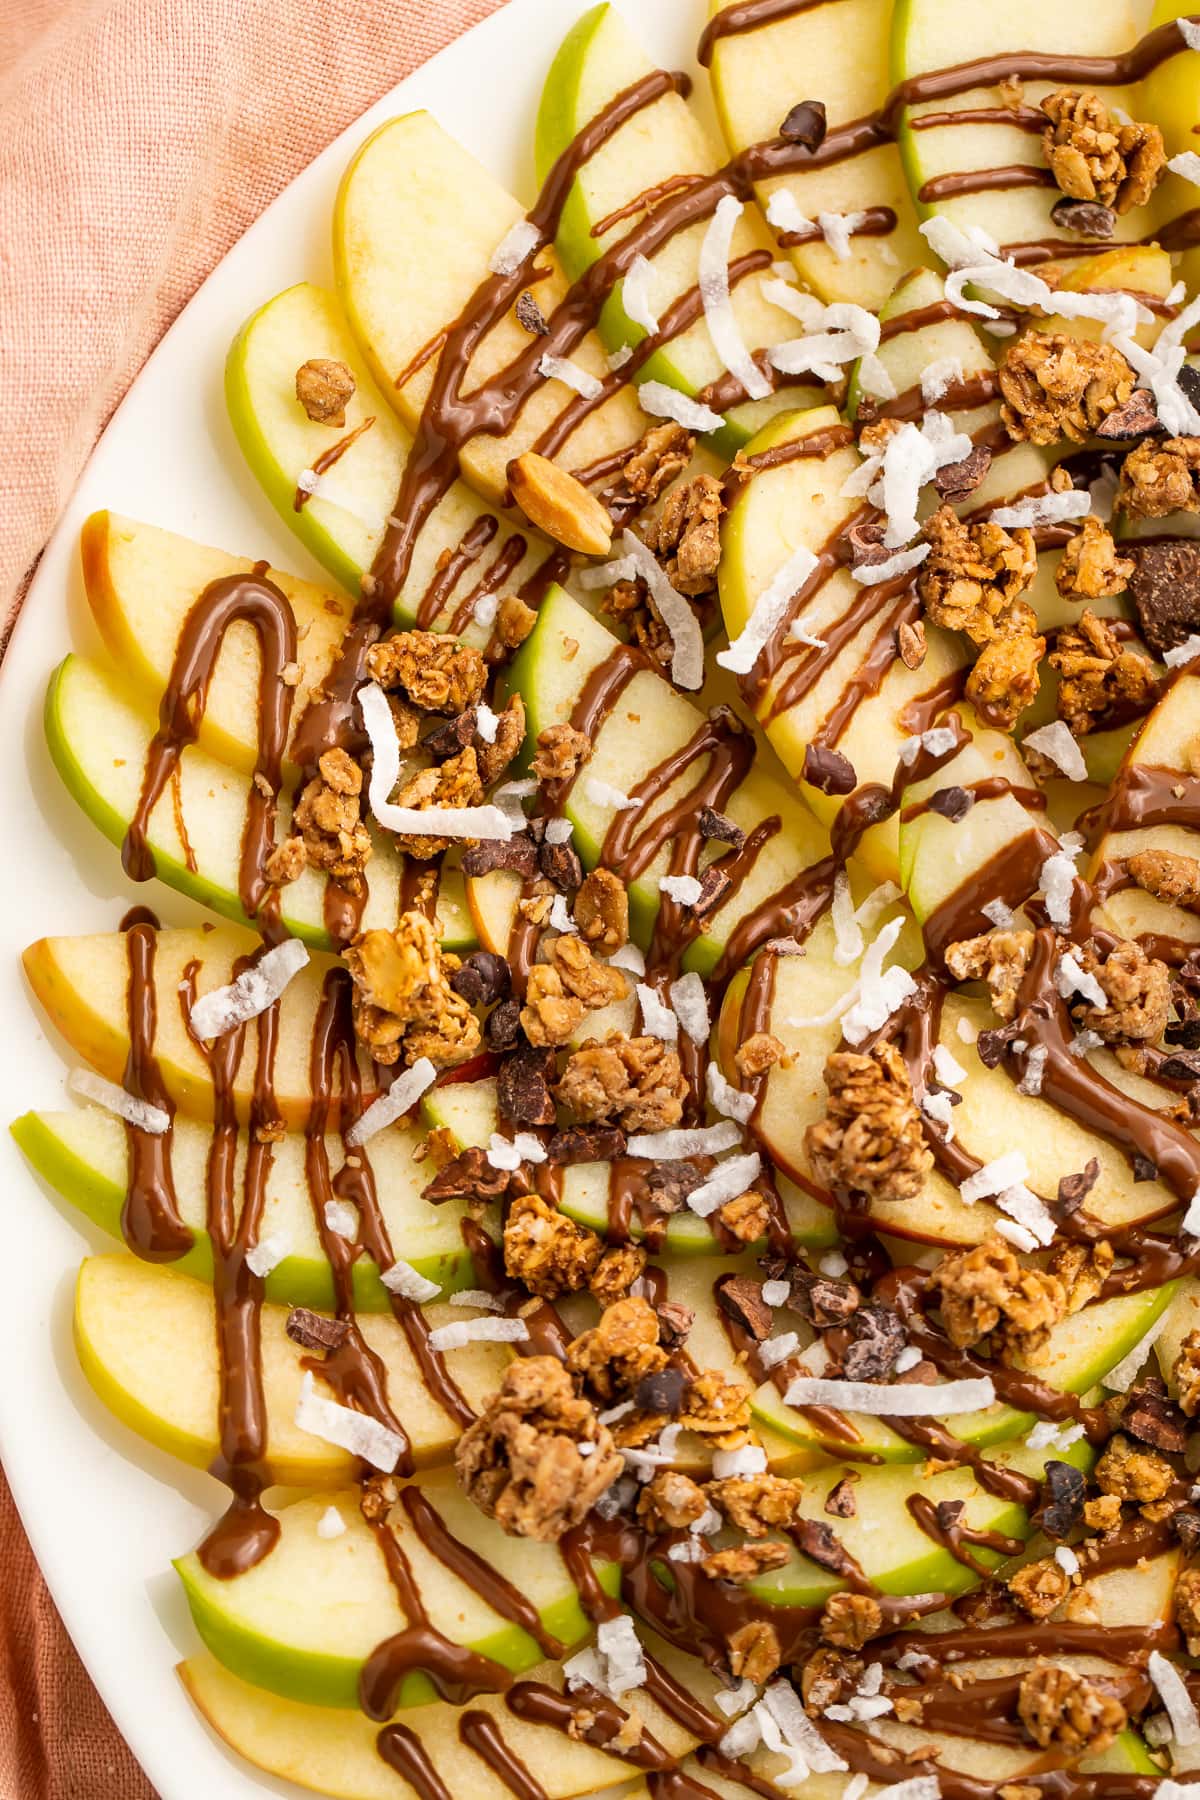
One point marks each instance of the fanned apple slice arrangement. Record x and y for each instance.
(671, 1199)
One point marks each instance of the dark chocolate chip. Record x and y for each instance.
(1188, 379)
(806, 125)
(1185, 1033)
(531, 316)
(957, 480)
(840, 1501)
(502, 1027)
(714, 886)
(712, 824)
(829, 771)
(661, 1392)
(1135, 419)
(822, 1544)
(1144, 1169)
(953, 803)
(868, 411)
(523, 1087)
(675, 1320)
(1183, 1066)
(1073, 1190)
(483, 978)
(586, 1144)
(741, 1298)
(451, 737)
(1063, 1492)
(1150, 1415)
(1165, 589)
(876, 1340)
(560, 864)
(990, 1046)
(519, 854)
(313, 1331)
(1085, 218)
(670, 1183)
(469, 1177)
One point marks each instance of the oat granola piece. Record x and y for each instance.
(1056, 386)
(1094, 156)
(1187, 1609)
(328, 819)
(1039, 1587)
(973, 573)
(1186, 1373)
(514, 622)
(1066, 1711)
(549, 1014)
(1082, 1269)
(615, 1273)
(746, 1217)
(602, 910)
(870, 1140)
(403, 1003)
(851, 1620)
(757, 1504)
(754, 1652)
(1090, 568)
(661, 455)
(1161, 478)
(671, 1502)
(1128, 1473)
(985, 1290)
(561, 990)
(324, 389)
(561, 753)
(687, 536)
(745, 1562)
(1102, 1513)
(1098, 673)
(287, 862)
(717, 1408)
(1139, 994)
(623, 1346)
(546, 1251)
(495, 757)
(454, 783)
(759, 1054)
(1005, 678)
(638, 1082)
(437, 673)
(828, 1679)
(520, 1460)
(1167, 875)
(1000, 958)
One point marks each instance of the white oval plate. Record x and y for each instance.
(106, 1513)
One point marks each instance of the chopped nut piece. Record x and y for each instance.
(614, 1355)
(910, 641)
(1090, 568)
(1139, 994)
(559, 504)
(870, 1140)
(1132, 1474)
(1094, 156)
(986, 1290)
(615, 1273)
(1148, 1415)
(602, 910)
(758, 1054)
(1099, 675)
(514, 622)
(543, 1249)
(1082, 1269)
(1000, 958)
(314, 1331)
(1186, 1374)
(1005, 678)
(1056, 386)
(328, 817)
(823, 1301)
(586, 1143)
(469, 1176)
(687, 536)
(1187, 1609)
(520, 1463)
(745, 1563)
(1167, 875)
(745, 1218)
(662, 454)
(717, 1408)
(561, 751)
(955, 482)
(973, 573)
(740, 1297)
(754, 1652)
(851, 1620)
(636, 1081)
(671, 1502)
(495, 757)
(841, 1502)
(324, 389)
(1039, 1587)
(1060, 1708)
(1165, 590)
(757, 1504)
(403, 1003)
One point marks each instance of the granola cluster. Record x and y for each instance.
(870, 1141)
(324, 389)
(1000, 958)
(1065, 1711)
(571, 982)
(404, 1004)
(1158, 478)
(1090, 568)
(684, 535)
(1167, 875)
(328, 832)
(972, 581)
(1061, 387)
(635, 1081)
(1094, 156)
(1100, 678)
(986, 1293)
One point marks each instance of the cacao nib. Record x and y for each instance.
(953, 803)
(1086, 218)
(531, 316)
(523, 1087)
(715, 825)
(1063, 1492)
(502, 1027)
(661, 1392)
(313, 1331)
(877, 1338)
(586, 1144)
(518, 854)
(741, 1298)
(1165, 590)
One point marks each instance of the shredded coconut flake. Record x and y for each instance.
(490, 1330)
(1173, 1693)
(974, 259)
(717, 300)
(1187, 164)
(603, 793)
(949, 1072)
(1183, 653)
(268, 1254)
(1044, 509)
(908, 1359)
(881, 990)
(673, 1146)
(657, 1019)
(617, 359)
(517, 244)
(873, 379)
(727, 1099)
(352, 1431)
(836, 334)
(1067, 1560)
(940, 1108)
(749, 1460)
(689, 998)
(477, 1297)
(138, 1113)
(906, 1400)
(628, 957)
(485, 610)
(433, 821)
(1047, 1435)
(486, 722)
(911, 458)
(687, 660)
(1160, 368)
(727, 1181)
(776, 1293)
(559, 831)
(1189, 30)
(1122, 1375)
(510, 1153)
(560, 917)
(1002, 1172)
(778, 1349)
(331, 1523)
(1190, 1222)
(938, 377)
(847, 933)
(684, 889)
(769, 612)
(1070, 978)
(833, 1263)
(785, 1707)
(1058, 886)
(341, 1219)
(410, 1284)
(784, 213)
(254, 990)
(400, 1098)
(635, 295)
(1056, 742)
(1034, 1071)
(665, 402)
(903, 563)
(561, 368)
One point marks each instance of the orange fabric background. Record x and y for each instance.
(138, 140)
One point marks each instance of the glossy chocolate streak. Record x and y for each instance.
(960, 396)
(261, 605)
(480, 1733)
(1021, 118)
(957, 1539)
(488, 1582)
(985, 181)
(749, 15)
(150, 1220)
(538, 1704)
(872, 221)
(491, 581)
(1143, 795)
(818, 444)
(452, 566)
(790, 913)
(327, 459)
(403, 1751)
(643, 202)
(1012, 875)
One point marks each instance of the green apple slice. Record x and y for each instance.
(1182, 1317)
(343, 523)
(82, 983)
(334, 1751)
(147, 1341)
(305, 1619)
(99, 743)
(662, 143)
(416, 222)
(1170, 95)
(839, 56)
(650, 721)
(84, 1157)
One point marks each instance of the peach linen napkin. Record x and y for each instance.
(138, 140)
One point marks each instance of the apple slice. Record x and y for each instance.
(84, 1157)
(82, 982)
(411, 185)
(839, 56)
(343, 523)
(305, 1619)
(334, 1751)
(99, 743)
(649, 723)
(146, 1340)
(1170, 95)
(1181, 1318)
(658, 150)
